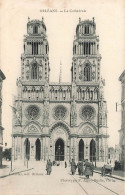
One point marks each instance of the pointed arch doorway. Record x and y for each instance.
(81, 150)
(38, 149)
(92, 150)
(27, 149)
(59, 150)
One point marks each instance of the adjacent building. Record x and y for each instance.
(2, 77)
(114, 154)
(122, 130)
(111, 155)
(117, 152)
(60, 121)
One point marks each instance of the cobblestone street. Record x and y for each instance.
(35, 181)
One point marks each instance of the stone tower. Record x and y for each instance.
(86, 57)
(85, 74)
(35, 60)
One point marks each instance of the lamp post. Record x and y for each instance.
(11, 160)
(92, 152)
(95, 157)
(27, 157)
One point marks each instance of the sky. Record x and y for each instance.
(61, 26)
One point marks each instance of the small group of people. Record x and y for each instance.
(84, 168)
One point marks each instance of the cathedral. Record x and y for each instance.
(60, 121)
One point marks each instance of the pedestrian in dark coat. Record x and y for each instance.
(73, 167)
(65, 164)
(49, 167)
(88, 169)
(79, 169)
(82, 168)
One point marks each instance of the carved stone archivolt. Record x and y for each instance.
(60, 125)
(59, 132)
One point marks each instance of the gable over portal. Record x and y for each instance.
(32, 128)
(87, 129)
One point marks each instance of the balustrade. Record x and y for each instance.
(60, 94)
(32, 93)
(82, 93)
(87, 94)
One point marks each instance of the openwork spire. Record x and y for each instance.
(60, 74)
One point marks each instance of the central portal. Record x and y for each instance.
(59, 150)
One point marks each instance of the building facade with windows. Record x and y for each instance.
(111, 155)
(122, 130)
(2, 77)
(60, 121)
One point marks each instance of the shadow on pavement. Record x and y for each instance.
(14, 173)
(4, 166)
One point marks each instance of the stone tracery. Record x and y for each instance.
(32, 112)
(87, 113)
(60, 112)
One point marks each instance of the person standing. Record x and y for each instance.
(82, 168)
(79, 168)
(49, 167)
(73, 167)
(65, 164)
(88, 169)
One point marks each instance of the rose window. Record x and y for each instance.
(32, 112)
(60, 112)
(87, 112)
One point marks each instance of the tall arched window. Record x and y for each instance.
(81, 150)
(27, 148)
(35, 29)
(46, 49)
(85, 30)
(87, 73)
(34, 71)
(75, 49)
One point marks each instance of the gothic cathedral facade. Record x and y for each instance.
(60, 121)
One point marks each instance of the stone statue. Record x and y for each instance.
(46, 113)
(27, 74)
(102, 84)
(73, 113)
(17, 114)
(40, 74)
(19, 84)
